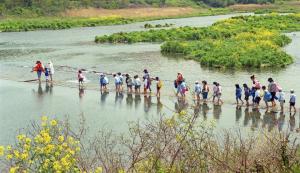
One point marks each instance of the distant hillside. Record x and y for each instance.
(52, 7)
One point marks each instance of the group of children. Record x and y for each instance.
(133, 84)
(271, 93)
(39, 68)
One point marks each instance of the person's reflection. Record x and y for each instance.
(197, 109)
(281, 121)
(217, 110)
(49, 88)
(238, 113)
(119, 97)
(205, 110)
(159, 105)
(129, 100)
(137, 100)
(292, 121)
(181, 105)
(103, 96)
(247, 116)
(255, 117)
(267, 120)
(40, 90)
(81, 92)
(147, 103)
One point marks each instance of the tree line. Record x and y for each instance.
(43, 7)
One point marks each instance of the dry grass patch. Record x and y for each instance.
(131, 12)
(250, 7)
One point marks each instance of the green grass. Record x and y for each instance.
(239, 42)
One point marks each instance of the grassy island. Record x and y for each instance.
(238, 42)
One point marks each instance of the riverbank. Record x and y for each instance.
(91, 17)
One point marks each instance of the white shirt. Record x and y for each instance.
(281, 96)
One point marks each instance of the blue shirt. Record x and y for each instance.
(293, 98)
(238, 92)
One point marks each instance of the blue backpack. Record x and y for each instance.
(267, 96)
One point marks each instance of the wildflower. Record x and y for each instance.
(53, 123)
(61, 138)
(121, 171)
(16, 153)
(27, 140)
(21, 137)
(13, 169)
(44, 118)
(1, 150)
(9, 157)
(77, 149)
(24, 156)
(98, 170)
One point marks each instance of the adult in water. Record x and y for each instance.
(39, 69)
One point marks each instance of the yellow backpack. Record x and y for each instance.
(160, 84)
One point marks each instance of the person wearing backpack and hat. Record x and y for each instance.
(292, 100)
(272, 88)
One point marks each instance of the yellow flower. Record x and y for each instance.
(26, 147)
(44, 118)
(77, 149)
(71, 140)
(21, 137)
(53, 123)
(27, 140)
(1, 150)
(13, 169)
(24, 156)
(16, 153)
(61, 138)
(98, 170)
(9, 156)
(121, 171)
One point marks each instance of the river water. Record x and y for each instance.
(73, 49)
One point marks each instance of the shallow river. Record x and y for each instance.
(72, 49)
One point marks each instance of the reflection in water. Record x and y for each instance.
(40, 92)
(147, 103)
(280, 121)
(292, 121)
(205, 110)
(49, 87)
(103, 97)
(247, 116)
(119, 97)
(129, 100)
(255, 116)
(217, 110)
(269, 120)
(137, 100)
(159, 106)
(181, 105)
(238, 113)
(81, 92)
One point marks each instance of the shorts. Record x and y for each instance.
(246, 98)
(137, 86)
(205, 95)
(257, 100)
(158, 88)
(103, 84)
(80, 80)
(219, 95)
(39, 73)
(282, 102)
(238, 97)
(273, 96)
(292, 103)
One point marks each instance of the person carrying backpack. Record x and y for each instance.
(267, 96)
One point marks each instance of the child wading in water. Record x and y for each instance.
(80, 77)
(292, 100)
(159, 85)
(238, 94)
(183, 88)
(257, 97)
(117, 82)
(205, 90)
(281, 99)
(103, 82)
(215, 91)
(137, 84)
(267, 96)
(197, 90)
(219, 94)
(247, 92)
(47, 73)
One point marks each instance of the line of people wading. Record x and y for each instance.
(257, 93)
